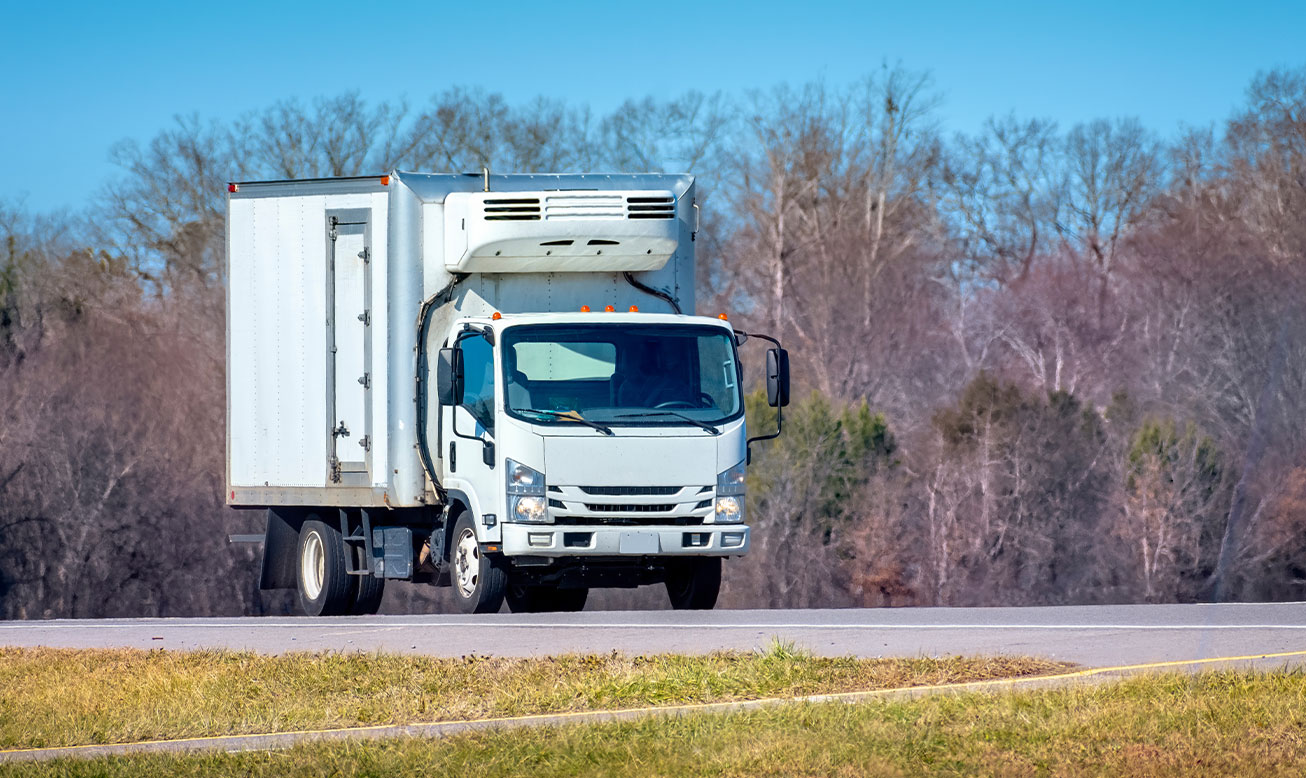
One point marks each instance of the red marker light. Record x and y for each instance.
(496, 316)
(232, 188)
(584, 309)
(609, 309)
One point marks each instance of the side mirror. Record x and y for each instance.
(449, 377)
(777, 377)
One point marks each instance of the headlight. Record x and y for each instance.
(525, 488)
(730, 495)
(523, 507)
(731, 481)
(522, 479)
(729, 510)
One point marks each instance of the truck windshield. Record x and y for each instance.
(621, 374)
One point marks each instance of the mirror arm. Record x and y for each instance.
(779, 426)
(779, 411)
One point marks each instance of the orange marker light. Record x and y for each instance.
(609, 309)
(634, 309)
(722, 317)
(496, 316)
(233, 188)
(385, 180)
(584, 309)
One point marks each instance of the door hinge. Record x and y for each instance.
(331, 233)
(340, 432)
(365, 442)
(366, 318)
(335, 469)
(365, 255)
(366, 380)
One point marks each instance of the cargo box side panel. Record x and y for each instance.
(277, 344)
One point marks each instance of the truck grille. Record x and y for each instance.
(621, 491)
(630, 505)
(629, 521)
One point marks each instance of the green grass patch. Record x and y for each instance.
(58, 697)
(1213, 724)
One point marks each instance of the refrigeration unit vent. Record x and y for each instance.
(650, 207)
(512, 209)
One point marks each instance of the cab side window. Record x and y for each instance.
(478, 381)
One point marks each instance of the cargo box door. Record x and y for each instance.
(349, 358)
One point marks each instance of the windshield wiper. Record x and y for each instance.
(681, 416)
(568, 416)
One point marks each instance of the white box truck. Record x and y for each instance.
(490, 382)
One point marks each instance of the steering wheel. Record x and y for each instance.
(675, 404)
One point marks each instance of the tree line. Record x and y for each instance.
(1037, 364)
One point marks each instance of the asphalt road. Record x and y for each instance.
(1095, 636)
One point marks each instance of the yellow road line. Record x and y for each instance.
(684, 708)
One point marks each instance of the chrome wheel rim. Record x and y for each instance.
(312, 566)
(467, 563)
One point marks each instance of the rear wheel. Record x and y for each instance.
(368, 599)
(325, 589)
(478, 579)
(545, 599)
(693, 583)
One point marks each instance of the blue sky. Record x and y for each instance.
(78, 77)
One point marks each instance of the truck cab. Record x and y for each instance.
(541, 413)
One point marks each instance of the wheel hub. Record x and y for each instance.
(467, 563)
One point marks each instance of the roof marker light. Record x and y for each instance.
(634, 309)
(584, 309)
(722, 317)
(609, 309)
(233, 187)
(385, 180)
(496, 316)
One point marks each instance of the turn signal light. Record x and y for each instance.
(609, 309)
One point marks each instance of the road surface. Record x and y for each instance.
(1094, 636)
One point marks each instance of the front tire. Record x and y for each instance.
(693, 583)
(325, 589)
(545, 599)
(478, 579)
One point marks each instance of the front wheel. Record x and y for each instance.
(545, 599)
(478, 579)
(693, 583)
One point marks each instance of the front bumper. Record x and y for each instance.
(554, 540)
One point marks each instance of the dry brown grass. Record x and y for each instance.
(58, 697)
(1215, 724)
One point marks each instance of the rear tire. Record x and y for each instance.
(368, 599)
(545, 599)
(694, 583)
(325, 589)
(478, 579)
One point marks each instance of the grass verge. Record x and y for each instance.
(1213, 724)
(58, 697)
